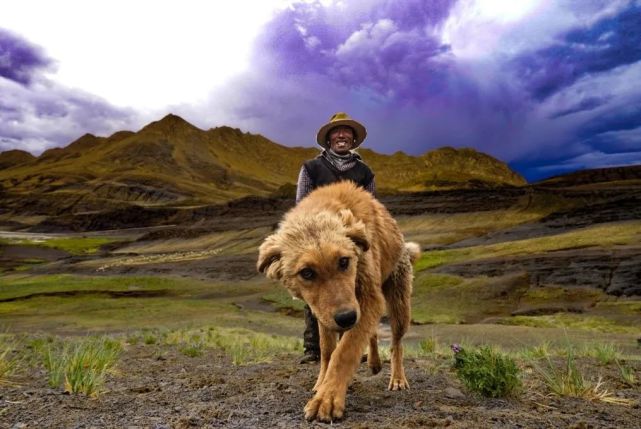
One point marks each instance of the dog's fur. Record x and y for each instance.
(308, 255)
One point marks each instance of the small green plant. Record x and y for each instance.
(81, 366)
(428, 345)
(242, 345)
(7, 362)
(193, 349)
(132, 339)
(569, 381)
(487, 371)
(149, 339)
(627, 374)
(541, 351)
(604, 353)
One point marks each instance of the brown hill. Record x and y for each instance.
(172, 163)
(13, 158)
(630, 175)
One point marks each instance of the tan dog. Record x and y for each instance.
(341, 252)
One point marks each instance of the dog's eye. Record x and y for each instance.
(307, 273)
(343, 263)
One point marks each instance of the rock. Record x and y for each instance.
(616, 271)
(453, 393)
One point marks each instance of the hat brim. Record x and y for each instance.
(361, 132)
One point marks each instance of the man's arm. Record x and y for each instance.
(304, 186)
(371, 187)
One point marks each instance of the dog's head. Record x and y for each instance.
(316, 258)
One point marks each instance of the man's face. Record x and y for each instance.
(341, 139)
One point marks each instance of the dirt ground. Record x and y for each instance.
(155, 386)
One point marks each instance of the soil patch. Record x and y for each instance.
(158, 387)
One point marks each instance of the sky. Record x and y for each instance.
(547, 86)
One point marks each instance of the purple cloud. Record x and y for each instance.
(36, 113)
(19, 60)
(606, 44)
(538, 91)
(558, 85)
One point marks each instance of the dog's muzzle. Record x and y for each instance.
(345, 319)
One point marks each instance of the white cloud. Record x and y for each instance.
(143, 54)
(370, 37)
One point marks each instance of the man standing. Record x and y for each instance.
(338, 161)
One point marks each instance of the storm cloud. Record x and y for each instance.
(37, 113)
(547, 88)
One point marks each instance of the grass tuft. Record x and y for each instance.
(627, 374)
(242, 345)
(569, 381)
(7, 362)
(81, 366)
(605, 354)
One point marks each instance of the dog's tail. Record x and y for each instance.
(414, 250)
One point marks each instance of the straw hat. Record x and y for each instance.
(338, 119)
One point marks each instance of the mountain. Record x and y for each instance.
(171, 163)
(629, 175)
(13, 158)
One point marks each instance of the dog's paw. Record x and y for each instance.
(326, 407)
(317, 385)
(398, 383)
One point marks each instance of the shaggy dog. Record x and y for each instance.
(341, 252)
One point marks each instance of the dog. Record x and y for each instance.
(341, 252)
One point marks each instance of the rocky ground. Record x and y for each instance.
(158, 387)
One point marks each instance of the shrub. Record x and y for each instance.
(487, 371)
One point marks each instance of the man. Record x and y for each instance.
(338, 138)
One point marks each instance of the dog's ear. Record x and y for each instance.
(355, 229)
(269, 254)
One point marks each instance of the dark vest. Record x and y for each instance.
(322, 172)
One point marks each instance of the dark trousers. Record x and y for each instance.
(310, 337)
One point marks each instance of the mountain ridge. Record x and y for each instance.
(171, 162)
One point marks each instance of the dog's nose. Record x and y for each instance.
(345, 319)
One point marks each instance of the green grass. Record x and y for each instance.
(628, 375)
(185, 301)
(7, 361)
(81, 366)
(282, 300)
(539, 351)
(604, 235)
(244, 346)
(568, 380)
(72, 245)
(604, 353)
(443, 298)
(571, 321)
(233, 242)
(22, 285)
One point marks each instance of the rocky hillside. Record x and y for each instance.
(171, 163)
(630, 175)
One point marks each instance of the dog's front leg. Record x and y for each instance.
(327, 346)
(328, 403)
